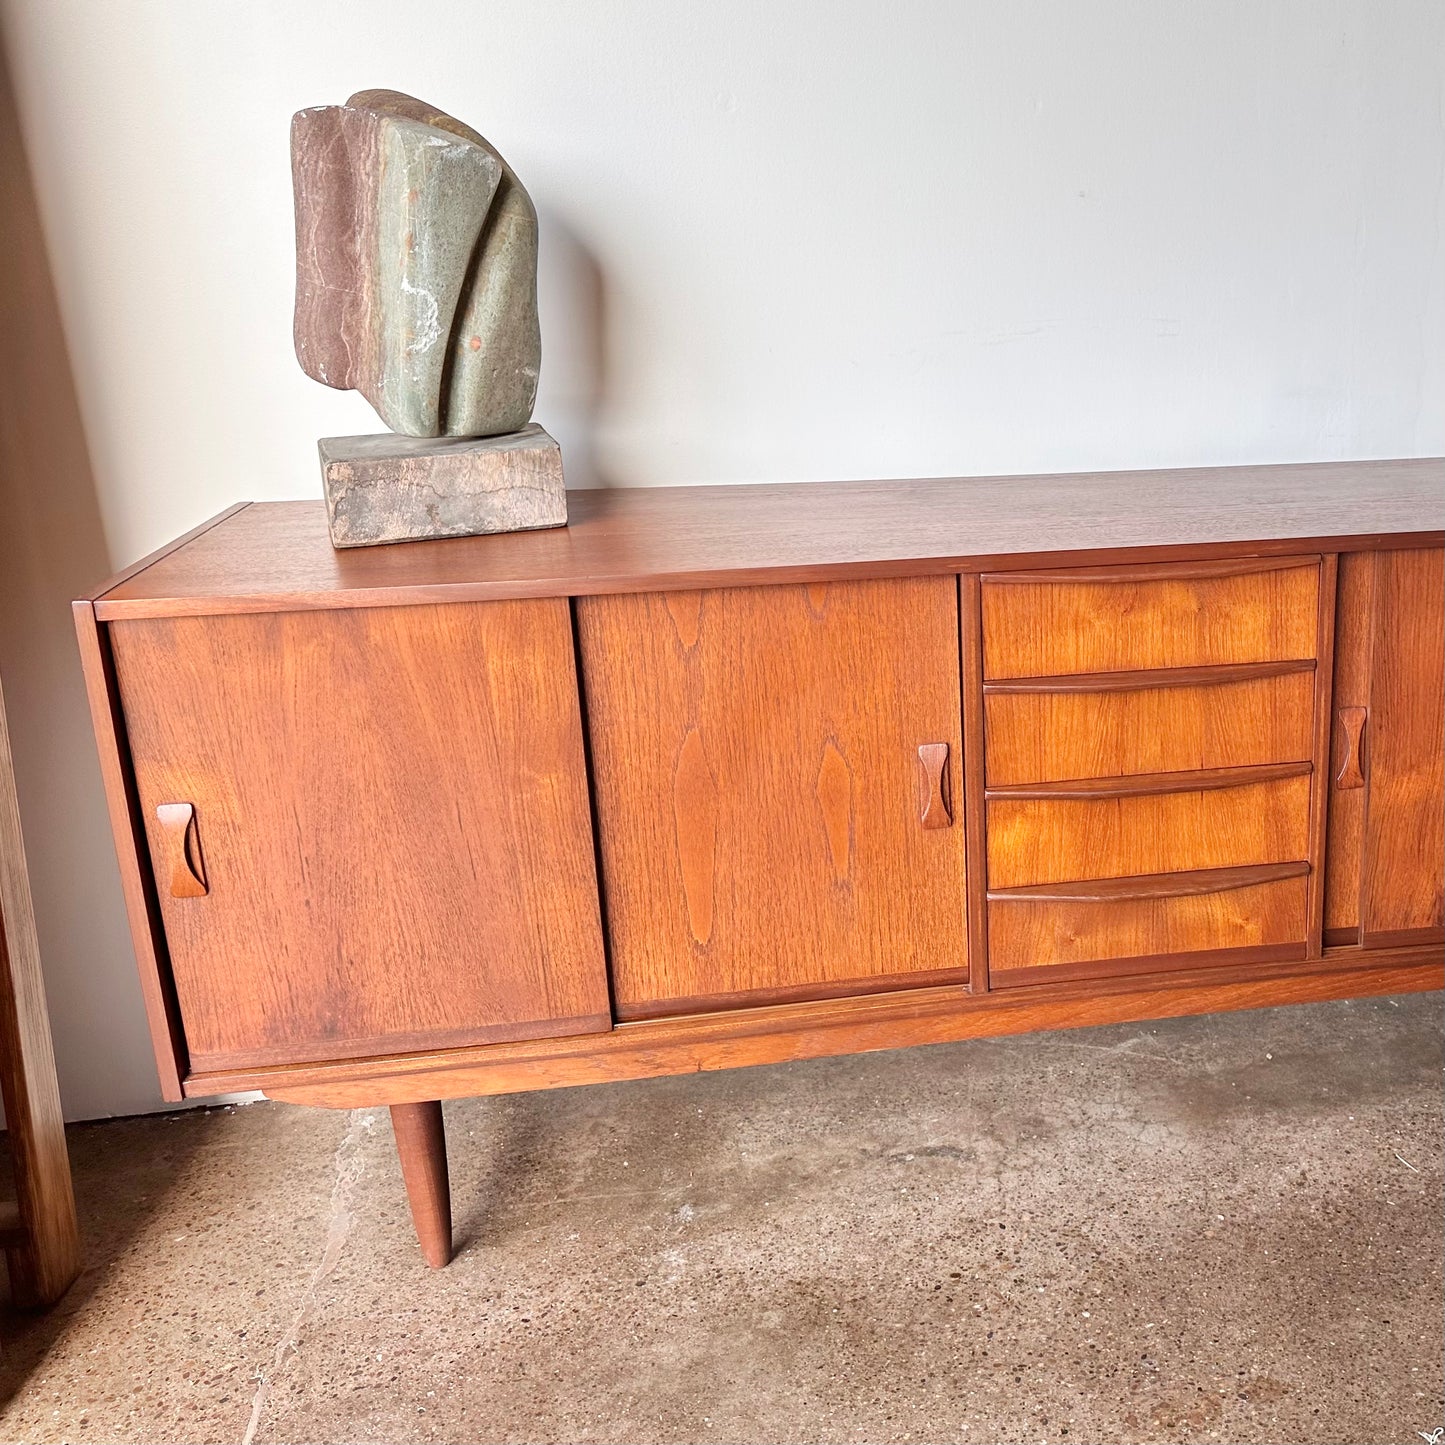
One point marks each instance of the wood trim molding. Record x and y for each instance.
(354, 1048)
(1134, 784)
(802, 993)
(213, 602)
(1049, 975)
(1138, 681)
(1403, 938)
(1152, 885)
(137, 884)
(1320, 782)
(855, 1025)
(970, 634)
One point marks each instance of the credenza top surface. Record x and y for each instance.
(277, 555)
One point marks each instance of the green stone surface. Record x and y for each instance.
(416, 267)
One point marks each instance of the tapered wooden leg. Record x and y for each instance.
(422, 1147)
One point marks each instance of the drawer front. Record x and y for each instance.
(1058, 938)
(1126, 619)
(1057, 839)
(1039, 737)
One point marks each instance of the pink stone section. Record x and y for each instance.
(335, 160)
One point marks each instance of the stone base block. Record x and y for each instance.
(403, 489)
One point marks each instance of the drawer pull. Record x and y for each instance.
(934, 811)
(1159, 571)
(1140, 680)
(1153, 885)
(188, 878)
(1351, 774)
(1132, 785)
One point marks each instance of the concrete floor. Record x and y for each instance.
(1211, 1229)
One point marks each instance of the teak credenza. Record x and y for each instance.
(727, 775)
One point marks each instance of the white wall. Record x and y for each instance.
(781, 240)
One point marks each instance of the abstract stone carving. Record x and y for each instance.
(416, 267)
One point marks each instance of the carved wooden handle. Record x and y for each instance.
(188, 878)
(933, 786)
(1351, 774)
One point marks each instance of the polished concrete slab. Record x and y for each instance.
(1209, 1229)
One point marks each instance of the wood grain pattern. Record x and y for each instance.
(1110, 622)
(695, 810)
(387, 796)
(277, 554)
(796, 727)
(1057, 840)
(1404, 835)
(1042, 737)
(41, 1238)
(1354, 639)
(421, 1146)
(704, 1042)
(1152, 885)
(1040, 934)
(835, 798)
(142, 564)
(1132, 785)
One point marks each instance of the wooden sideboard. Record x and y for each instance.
(720, 776)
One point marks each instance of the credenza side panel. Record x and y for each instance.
(768, 827)
(1403, 863)
(388, 845)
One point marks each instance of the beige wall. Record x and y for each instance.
(51, 548)
(823, 238)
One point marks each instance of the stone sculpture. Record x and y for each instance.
(416, 267)
(416, 285)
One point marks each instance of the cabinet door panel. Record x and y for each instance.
(1403, 891)
(760, 793)
(390, 823)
